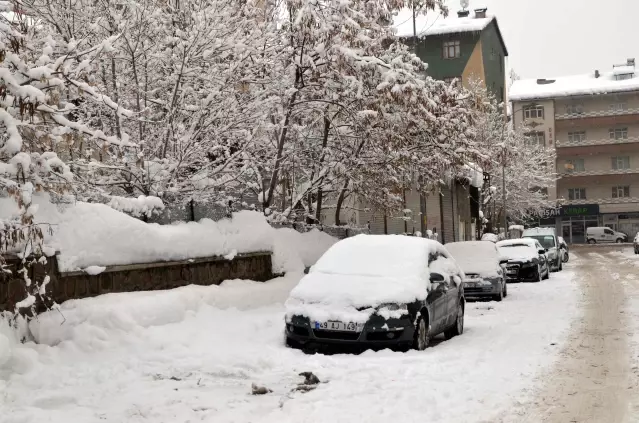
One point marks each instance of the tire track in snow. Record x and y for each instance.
(593, 381)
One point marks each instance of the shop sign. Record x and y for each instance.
(576, 210)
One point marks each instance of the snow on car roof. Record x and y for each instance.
(426, 25)
(480, 257)
(379, 255)
(576, 85)
(519, 241)
(539, 231)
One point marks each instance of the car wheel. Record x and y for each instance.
(636, 251)
(619, 240)
(422, 335)
(458, 327)
(592, 241)
(561, 265)
(539, 275)
(500, 296)
(505, 289)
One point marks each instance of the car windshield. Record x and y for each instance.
(546, 241)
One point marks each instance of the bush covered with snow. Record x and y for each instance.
(89, 236)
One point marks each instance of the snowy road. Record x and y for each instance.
(596, 378)
(187, 355)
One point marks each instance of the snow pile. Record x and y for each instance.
(365, 272)
(426, 25)
(91, 236)
(489, 236)
(519, 228)
(530, 89)
(477, 257)
(141, 206)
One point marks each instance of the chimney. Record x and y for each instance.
(597, 74)
(463, 13)
(480, 13)
(631, 62)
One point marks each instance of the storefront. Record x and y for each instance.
(571, 221)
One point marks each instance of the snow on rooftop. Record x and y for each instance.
(429, 25)
(576, 85)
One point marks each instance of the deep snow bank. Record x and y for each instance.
(88, 235)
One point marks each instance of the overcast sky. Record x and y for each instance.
(547, 38)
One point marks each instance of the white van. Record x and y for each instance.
(603, 234)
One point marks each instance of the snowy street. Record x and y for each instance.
(191, 354)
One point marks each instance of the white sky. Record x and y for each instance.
(547, 38)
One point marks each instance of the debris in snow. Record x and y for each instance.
(94, 270)
(259, 390)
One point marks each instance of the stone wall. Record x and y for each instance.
(136, 277)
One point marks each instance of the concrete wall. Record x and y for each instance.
(138, 277)
(600, 103)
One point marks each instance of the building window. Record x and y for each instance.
(577, 136)
(621, 162)
(621, 192)
(618, 134)
(577, 193)
(624, 76)
(452, 49)
(456, 79)
(536, 138)
(575, 165)
(618, 107)
(534, 112)
(575, 109)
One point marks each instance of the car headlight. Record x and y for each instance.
(394, 307)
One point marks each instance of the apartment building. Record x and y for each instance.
(593, 123)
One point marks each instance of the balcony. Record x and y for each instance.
(596, 113)
(605, 141)
(573, 173)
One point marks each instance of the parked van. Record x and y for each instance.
(603, 234)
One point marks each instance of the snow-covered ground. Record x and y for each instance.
(191, 354)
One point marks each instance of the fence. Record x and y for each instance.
(129, 278)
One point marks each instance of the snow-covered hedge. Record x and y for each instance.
(89, 235)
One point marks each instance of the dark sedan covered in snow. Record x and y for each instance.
(526, 260)
(377, 291)
(481, 264)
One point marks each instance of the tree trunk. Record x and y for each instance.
(340, 201)
(116, 98)
(327, 127)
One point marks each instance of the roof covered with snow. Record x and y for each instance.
(427, 25)
(568, 86)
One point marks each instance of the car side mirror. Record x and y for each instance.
(546, 250)
(436, 278)
(306, 270)
(542, 251)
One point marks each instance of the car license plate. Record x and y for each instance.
(339, 326)
(470, 284)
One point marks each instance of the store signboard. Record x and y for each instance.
(567, 211)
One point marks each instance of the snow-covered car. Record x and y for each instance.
(563, 248)
(377, 291)
(547, 237)
(489, 236)
(482, 266)
(527, 260)
(635, 243)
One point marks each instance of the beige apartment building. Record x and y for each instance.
(593, 123)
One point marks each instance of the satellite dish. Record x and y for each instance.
(464, 4)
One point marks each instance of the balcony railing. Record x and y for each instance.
(610, 200)
(596, 113)
(564, 173)
(605, 141)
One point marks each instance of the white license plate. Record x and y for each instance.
(470, 284)
(339, 326)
